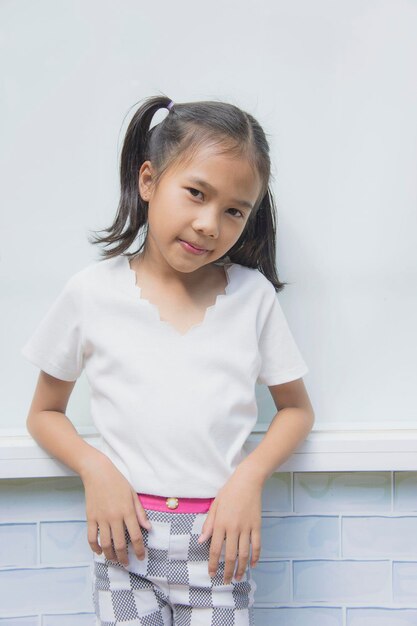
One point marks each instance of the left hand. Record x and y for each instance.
(235, 514)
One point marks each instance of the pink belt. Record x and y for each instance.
(175, 505)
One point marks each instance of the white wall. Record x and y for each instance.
(334, 85)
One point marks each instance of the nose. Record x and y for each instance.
(207, 222)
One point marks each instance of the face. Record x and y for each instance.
(181, 208)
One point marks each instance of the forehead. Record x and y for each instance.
(225, 172)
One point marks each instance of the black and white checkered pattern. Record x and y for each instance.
(171, 585)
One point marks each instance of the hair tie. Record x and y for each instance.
(170, 104)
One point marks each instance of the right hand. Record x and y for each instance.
(111, 504)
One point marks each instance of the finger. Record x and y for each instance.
(106, 542)
(232, 541)
(215, 550)
(256, 546)
(119, 542)
(244, 545)
(207, 527)
(140, 512)
(92, 536)
(136, 537)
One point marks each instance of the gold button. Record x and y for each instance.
(172, 503)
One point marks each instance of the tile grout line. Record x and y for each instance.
(391, 577)
(38, 543)
(340, 537)
(292, 492)
(392, 491)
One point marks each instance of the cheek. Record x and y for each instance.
(154, 226)
(235, 228)
(229, 237)
(243, 226)
(236, 233)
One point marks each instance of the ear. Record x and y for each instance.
(145, 181)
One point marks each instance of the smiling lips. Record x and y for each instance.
(191, 247)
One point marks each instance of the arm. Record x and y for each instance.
(53, 431)
(111, 502)
(290, 426)
(236, 510)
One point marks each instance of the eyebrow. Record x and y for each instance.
(204, 183)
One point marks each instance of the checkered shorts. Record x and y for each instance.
(171, 585)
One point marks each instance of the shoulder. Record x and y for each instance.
(255, 281)
(94, 273)
(76, 286)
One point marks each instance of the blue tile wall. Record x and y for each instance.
(78, 619)
(18, 543)
(404, 586)
(303, 616)
(367, 536)
(382, 617)
(20, 621)
(338, 549)
(405, 491)
(342, 580)
(319, 492)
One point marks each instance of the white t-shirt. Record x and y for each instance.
(174, 410)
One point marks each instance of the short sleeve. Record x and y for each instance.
(56, 345)
(281, 360)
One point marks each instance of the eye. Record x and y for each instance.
(240, 213)
(191, 189)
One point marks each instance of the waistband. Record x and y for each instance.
(173, 504)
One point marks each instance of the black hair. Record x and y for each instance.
(187, 127)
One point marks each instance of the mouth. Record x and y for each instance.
(195, 246)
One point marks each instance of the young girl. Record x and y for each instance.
(173, 339)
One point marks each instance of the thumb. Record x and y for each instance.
(140, 512)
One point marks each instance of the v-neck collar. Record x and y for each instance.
(135, 292)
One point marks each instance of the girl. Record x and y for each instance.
(173, 339)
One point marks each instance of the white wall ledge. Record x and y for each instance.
(324, 450)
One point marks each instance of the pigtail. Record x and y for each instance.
(132, 211)
(256, 245)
